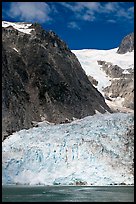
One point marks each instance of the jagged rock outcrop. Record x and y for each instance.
(124, 88)
(122, 83)
(42, 78)
(92, 80)
(111, 70)
(127, 44)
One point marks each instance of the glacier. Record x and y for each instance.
(95, 150)
(89, 57)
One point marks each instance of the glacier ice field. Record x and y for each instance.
(95, 150)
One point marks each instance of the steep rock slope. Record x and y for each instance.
(127, 44)
(42, 79)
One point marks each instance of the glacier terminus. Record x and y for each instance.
(95, 150)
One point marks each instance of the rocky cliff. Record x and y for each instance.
(42, 79)
(127, 44)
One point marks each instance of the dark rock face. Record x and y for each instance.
(127, 44)
(41, 77)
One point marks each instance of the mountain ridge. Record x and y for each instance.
(42, 78)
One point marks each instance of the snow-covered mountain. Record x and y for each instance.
(89, 60)
(96, 150)
(107, 67)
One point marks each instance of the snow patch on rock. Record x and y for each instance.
(22, 27)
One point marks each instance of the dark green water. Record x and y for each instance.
(67, 194)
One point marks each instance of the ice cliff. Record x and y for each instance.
(96, 150)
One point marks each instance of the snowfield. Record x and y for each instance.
(89, 57)
(95, 150)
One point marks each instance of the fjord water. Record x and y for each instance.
(16, 193)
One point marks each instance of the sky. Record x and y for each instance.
(82, 25)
